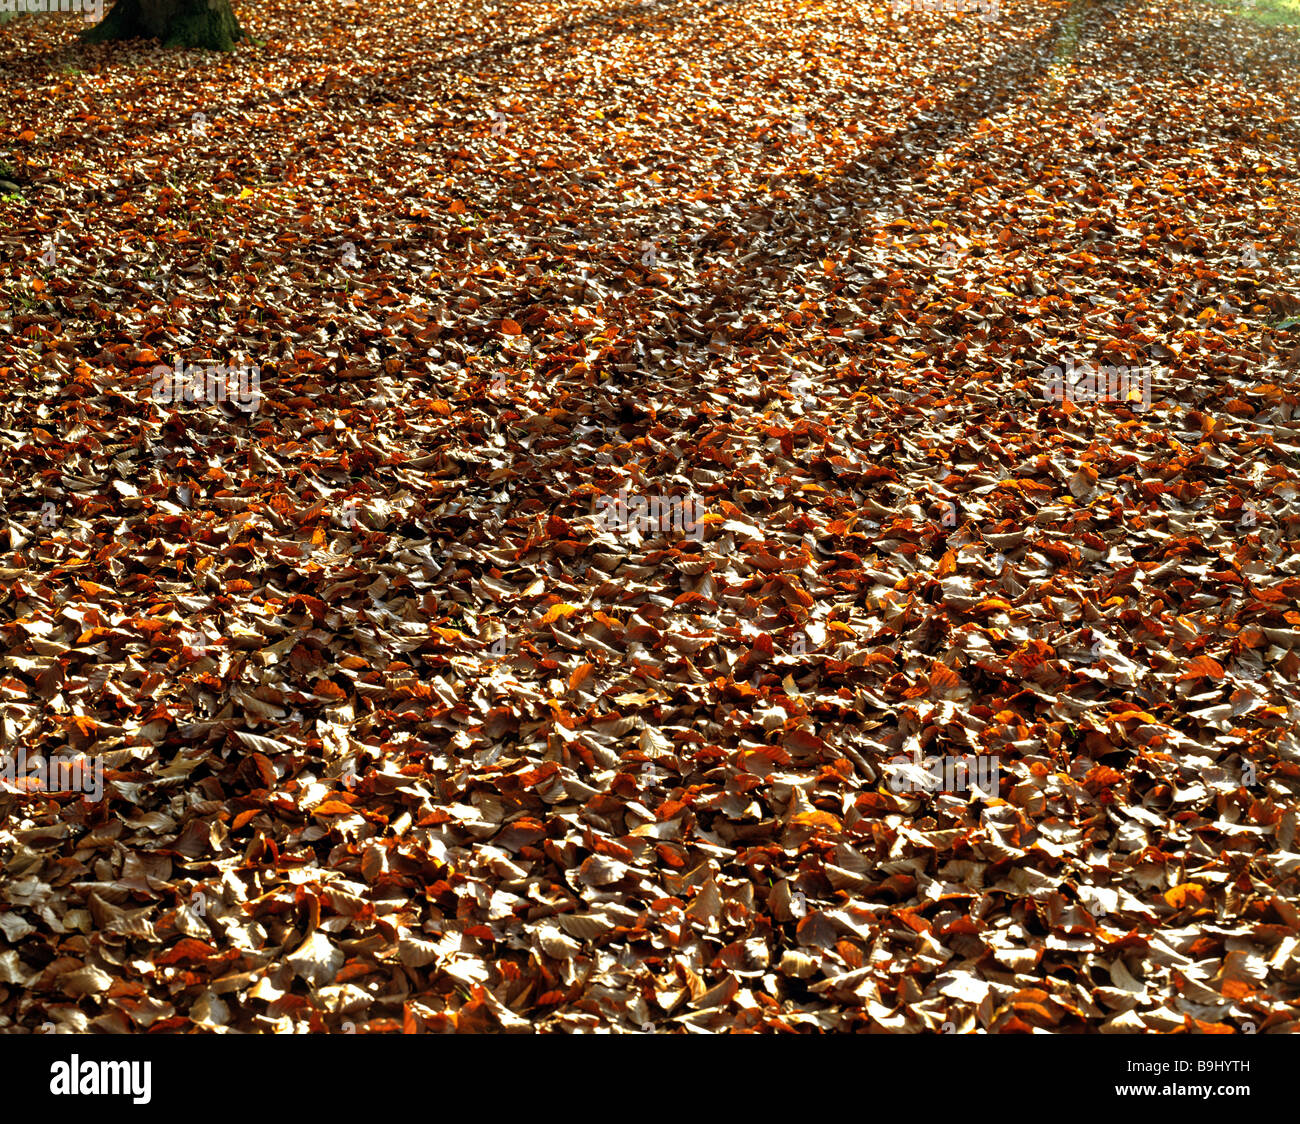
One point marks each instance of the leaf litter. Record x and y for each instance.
(398, 736)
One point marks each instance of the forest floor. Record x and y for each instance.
(659, 457)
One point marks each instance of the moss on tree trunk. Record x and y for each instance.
(178, 23)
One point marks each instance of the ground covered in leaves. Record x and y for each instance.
(397, 736)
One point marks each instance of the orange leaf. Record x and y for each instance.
(555, 612)
(1103, 776)
(1203, 666)
(1187, 892)
(816, 819)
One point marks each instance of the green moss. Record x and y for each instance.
(1269, 12)
(118, 24)
(214, 28)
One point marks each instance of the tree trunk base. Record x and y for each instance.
(210, 24)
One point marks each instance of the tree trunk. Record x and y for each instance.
(178, 23)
